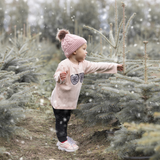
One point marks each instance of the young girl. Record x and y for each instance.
(69, 78)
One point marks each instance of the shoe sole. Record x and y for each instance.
(57, 144)
(77, 143)
(63, 149)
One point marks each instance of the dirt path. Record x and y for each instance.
(37, 140)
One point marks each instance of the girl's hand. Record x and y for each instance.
(63, 75)
(120, 67)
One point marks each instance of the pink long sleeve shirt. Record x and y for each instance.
(66, 93)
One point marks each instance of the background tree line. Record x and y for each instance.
(72, 15)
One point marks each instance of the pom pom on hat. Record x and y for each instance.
(69, 42)
(61, 34)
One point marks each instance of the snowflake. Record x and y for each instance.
(36, 87)
(112, 144)
(12, 121)
(93, 87)
(51, 129)
(87, 93)
(41, 101)
(64, 119)
(37, 59)
(139, 115)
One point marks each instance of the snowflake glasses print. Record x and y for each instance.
(76, 77)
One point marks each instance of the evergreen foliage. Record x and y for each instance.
(149, 143)
(18, 74)
(138, 51)
(145, 25)
(106, 112)
(129, 97)
(57, 16)
(18, 13)
(47, 83)
(2, 8)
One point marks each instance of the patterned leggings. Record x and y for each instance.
(62, 117)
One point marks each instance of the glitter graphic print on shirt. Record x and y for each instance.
(76, 77)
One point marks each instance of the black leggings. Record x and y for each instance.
(62, 117)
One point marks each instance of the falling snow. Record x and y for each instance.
(72, 18)
(141, 47)
(87, 93)
(12, 121)
(64, 119)
(139, 115)
(41, 101)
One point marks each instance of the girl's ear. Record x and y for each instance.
(74, 52)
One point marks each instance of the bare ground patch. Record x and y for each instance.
(37, 140)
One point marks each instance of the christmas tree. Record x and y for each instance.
(18, 76)
(143, 108)
(91, 87)
(129, 97)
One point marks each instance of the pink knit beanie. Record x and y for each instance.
(69, 42)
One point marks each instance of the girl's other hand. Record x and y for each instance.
(63, 75)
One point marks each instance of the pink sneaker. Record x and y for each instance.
(70, 140)
(66, 146)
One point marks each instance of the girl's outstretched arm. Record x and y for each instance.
(101, 67)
